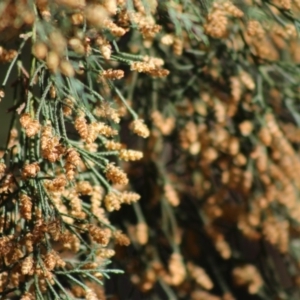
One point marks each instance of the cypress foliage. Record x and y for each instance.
(158, 139)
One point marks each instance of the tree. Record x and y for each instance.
(186, 110)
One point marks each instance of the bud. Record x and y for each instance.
(76, 45)
(52, 61)
(66, 68)
(40, 50)
(96, 14)
(71, 3)
(77, 19)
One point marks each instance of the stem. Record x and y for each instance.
(31, 83)
(62, 288)
(43, 99)
(38, 291)
(134, 115)
(14, 60)
(77, 281)
(169, 292)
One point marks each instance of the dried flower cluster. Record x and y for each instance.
(220, 167)
(186, 111)
(58, 169)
